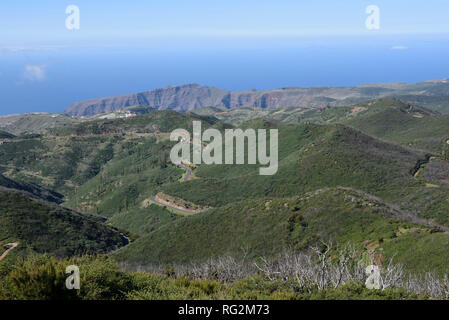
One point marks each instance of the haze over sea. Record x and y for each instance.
(49, 79)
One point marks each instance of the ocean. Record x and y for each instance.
(50, 78)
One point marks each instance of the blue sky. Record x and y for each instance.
(111, 22)
(136, 45)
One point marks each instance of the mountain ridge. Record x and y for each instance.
(189, 97)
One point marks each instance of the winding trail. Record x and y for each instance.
(11, 247)
(188, 174)
(172, 207)
(187, 177)
(399, 213)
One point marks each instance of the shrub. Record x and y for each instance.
(38, 278)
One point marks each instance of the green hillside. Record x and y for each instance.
(392, 120)
(237, 116)
(43, 227)
(43, 278)
(141, 221)
(388, 118)
(36, 190)
(136, 170)
(19, 124)
(439, 103)
(104, 167)
(269, 226)
(316, 156)
(5, 135)
(154, 122)
(113, 168)
(133, 173)
(67, 157)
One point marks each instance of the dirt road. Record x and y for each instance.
(187, 177)
(11, 247)
(172, 207)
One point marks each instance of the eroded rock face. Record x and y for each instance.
(180, 98)
(192, 96)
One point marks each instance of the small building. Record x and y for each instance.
(130, 114)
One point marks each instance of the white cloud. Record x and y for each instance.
(399, 48)
(34, 72)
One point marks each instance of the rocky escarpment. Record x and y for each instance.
(192, 96)
(189, 97)
(179, 98)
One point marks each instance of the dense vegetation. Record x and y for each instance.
(36, 190)
(5, 135)
(44, 227)
(316, 156)
(44, 278)
(265, 227)
(390, 119)
(19, 124)
(374, 175)
(393, 120)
